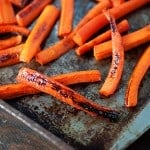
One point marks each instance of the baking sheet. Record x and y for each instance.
(75, 127)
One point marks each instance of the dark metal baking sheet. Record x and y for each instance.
(75, 127)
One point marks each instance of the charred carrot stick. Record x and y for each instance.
(98, 22)
(7, 15)
(14, 29)
(137, 75)
(117, 3)
(64, 94)
(31, 11)
(65, 24)
(130, 41)
(113, 78)
(19, 3)
(12, 41)
(39, 32)
(10, 56)
(55, 51)
(123, 26)
(10, 91)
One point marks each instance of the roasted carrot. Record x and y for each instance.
(19, 3)
(39, 32)
(116, 3)
(66, 17)
(10, 91)
(10, 56)
(31, 11)
(123, 26)
(136, 78)
(7, 15)
(130, 41)
(99, 21)
(64, 94)
(14, 29)
(55, 51)
(12, 41)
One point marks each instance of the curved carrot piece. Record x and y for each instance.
(123, 26)
(130, 41)
(135, 79)
(14, 29)
(10, 56)
(12, 41)
(10, 91)
(111, 82)
(39, 32)
(65, 94)
(31, 11)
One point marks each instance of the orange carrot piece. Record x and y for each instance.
(10, 56)
(19, 3)
(98, 22)
(12, 41)
(130, 41)
(55, 51)
(39, 32)
(116, 3)
(123, 26)
(66, 17)
(64, 94)
(136, 78)
(14, 29)
(7, 15)
(31, 11)
(10, 91)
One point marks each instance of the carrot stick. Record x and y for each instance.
(19, 3)
(10, 91)
(39, 32)
(64, 94)
(98, 22)
(130, 41)
(55, 51)
(10, 42)
(123, 26)
(113, 78)
(136, 78)
(31, 11)
(65, 24)
(10, 56)
(14, 29)
(116, 3)
(7, 15)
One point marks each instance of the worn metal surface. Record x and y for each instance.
(75, 127)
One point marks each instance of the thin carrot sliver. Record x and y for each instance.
(130, 41)
(7, 15)
(19, 3)
(66, 17)
(131, 98)
(9, 42)
(123, 26)
(30, 12)
(10, 91)
(99, 21)
(64, 94)
(10, 56)
(39, 32)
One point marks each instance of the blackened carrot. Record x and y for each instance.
(14, 29)
(10, 91)
(39, 32)
(130, 41)
(10, 56)
(19, 3)
(64, 94)
(123, 26)
(66, 17)
(99, 21)
(131, 98)
(7, 15)
(31, 11)
(9, 42)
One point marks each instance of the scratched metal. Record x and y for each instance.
(75, 127)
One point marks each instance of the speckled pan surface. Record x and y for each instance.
(75, 127)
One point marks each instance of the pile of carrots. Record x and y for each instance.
(24, 45)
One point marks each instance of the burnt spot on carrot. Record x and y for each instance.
(6, 57)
